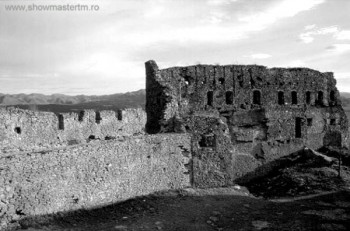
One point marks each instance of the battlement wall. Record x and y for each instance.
(90, 175)
(31, 130)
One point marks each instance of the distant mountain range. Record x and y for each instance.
(63, 103)
(38, 99)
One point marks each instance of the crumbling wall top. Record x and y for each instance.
(32, 130)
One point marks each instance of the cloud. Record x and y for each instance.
(310, 27)
(284, 9)
(216, 25)
(216, 17)
(339, 48)
(306, 37)
(219, 2)
(343, 83)
(101, 51)
(343, 35)
(259, 56)
(342, 75)
(312, 31)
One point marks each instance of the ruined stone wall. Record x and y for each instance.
(243, 117)
(30, 130)
(90, 175)
(230, 121)
(184, 90)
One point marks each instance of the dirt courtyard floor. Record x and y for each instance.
(207, 209)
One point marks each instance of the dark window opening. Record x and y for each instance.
(60, 122)
(20, 212)
(332, 122)
(308, 97)
(256, 97)
(221, 80)
(110, 138)
(120, 115)
(294, 97)
(210, 96)
(207, 141)
(309, 122)
(81, 116)
(281, 98)
(18, 130)
(92, 137)
(98, 117)
(229, 97)
(332, 96)
(187, 80)
(298, 124)
(320, 98)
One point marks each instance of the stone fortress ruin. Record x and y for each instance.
(241, 117)
(204, 126)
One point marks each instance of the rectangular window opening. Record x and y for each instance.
(18, 130)
(320, 98)
(294, 97)
(298, 127)
(207, 141)
(257, 97)
(281, 98)
(332, 122)
(229, 97)
(210, 96)
(81, 116)
(120, 115)
(308, 97)
(60, 122)
(309, 122)
(98, 117)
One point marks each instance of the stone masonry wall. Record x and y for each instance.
(229, 121)
(89, 175)
(243, 117)
(29, 130)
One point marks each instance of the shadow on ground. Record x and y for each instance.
(301, 173)
(205, 209)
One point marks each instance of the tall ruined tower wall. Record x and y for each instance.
(242, 117)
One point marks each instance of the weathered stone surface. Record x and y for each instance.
(92, 175)
(242, 117)
(29, 130)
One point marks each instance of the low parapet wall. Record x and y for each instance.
(90, 175)
(30, 130)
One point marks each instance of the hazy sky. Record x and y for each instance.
(103, 52)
